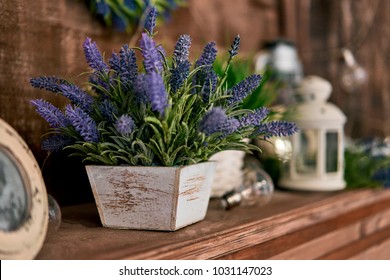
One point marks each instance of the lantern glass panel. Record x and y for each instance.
(332, 151)
(308, 152)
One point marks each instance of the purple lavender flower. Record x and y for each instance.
(181, 51)
(128, 64)
(108, 110)
(98, 85)
(276, 128)
(180, 70)
(216, 120)
(102, 8)
(179, 74)
(156, 93)
(205, 77)
(208, 56)
(56, 143)
(125, 66)
(152, 58)
(94, 57)
(382, 175)
(124, 125)
(48, 83)
(150, 22)
(231, 125)
(50, 113)
(243, 88)
(255, 118)
(213, 121)
(77, 96)
(115, 62)
(82, 123)
(141, 89)
(235, 46)
(209, 85)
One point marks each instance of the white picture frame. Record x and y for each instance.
(23, 198)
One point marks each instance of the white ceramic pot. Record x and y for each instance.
(151, 198)
(228, 173)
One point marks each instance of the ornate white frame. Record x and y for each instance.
(25, 241)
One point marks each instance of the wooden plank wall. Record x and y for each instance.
(321, 29)
(44, 37)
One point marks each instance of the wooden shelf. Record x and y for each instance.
(294, 225)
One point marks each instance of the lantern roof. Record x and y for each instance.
(312, 95)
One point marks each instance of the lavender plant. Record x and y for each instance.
(126, 15)
(155, 112)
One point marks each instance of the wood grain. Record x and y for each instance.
(375, 246)
(151, 198)
(289, 221)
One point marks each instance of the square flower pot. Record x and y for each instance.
(151, 198)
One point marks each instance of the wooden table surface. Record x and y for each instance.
(294, 225)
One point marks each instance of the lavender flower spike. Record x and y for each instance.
(230, 126)
(141, 89)
(82, 123)
(208, 56)
(94, 57)
(181, 51)
(124, 125)
(125, 65)
(213, 121)
(128, 64)
(181, 70)
(48, 83)
(235, 46)
(152, 61)
(255, 118)
(77, 96)
(277, 128)
(243, 88)
(108, 110)
(209, 85)
(179, 75)
(56, 143)
(50, 113)
(157, 94)
(150, 22)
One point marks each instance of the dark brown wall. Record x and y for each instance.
(321, 29)
(45, 37)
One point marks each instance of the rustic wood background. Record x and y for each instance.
(45, 37)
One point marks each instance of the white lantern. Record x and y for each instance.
(317, 159)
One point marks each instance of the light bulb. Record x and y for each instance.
(54, 215)
(257, 189)
(353, 75)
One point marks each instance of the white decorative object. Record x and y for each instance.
(151, 198)
(23, 198)
(317, 160)
(228, 172)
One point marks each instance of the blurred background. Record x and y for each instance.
(44, 37)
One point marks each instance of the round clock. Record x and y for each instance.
(23, 198)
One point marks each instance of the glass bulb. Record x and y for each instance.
(353, 75)
(257, 189)
(54, 215)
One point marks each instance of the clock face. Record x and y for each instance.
(13, 193)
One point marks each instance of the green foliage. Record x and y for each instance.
(267, 92)
(155, 115)
(360, 166)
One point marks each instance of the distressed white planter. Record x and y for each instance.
(151, 198)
